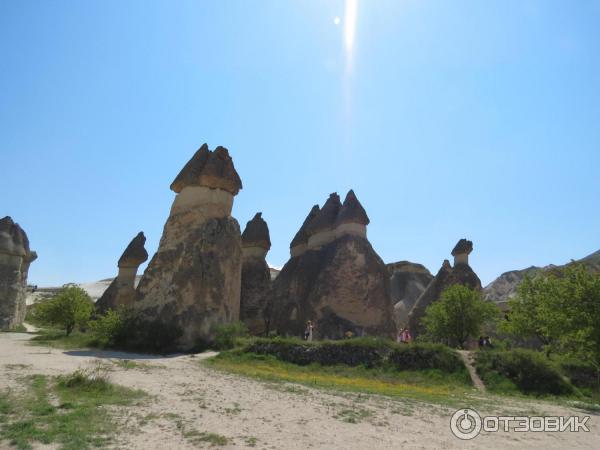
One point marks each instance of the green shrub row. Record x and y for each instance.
(368, 352)
(530, 372)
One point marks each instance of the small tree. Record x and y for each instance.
(562, 309)
(69, 308)
(459, 314)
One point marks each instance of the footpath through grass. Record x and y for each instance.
(70, 411)
(432, 386)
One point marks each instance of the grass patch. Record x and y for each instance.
(201, 437)
(426, 385)
(50, 337)
(68, 410)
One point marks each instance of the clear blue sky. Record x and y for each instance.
(450, 119)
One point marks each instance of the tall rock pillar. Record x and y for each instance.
(193, 281)
(256, 276)
(121, 291)
(15, 258)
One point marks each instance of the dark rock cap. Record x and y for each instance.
(135, 253)
(326, 217)
(463, 246)
(352, 211)
(256, 233)
(213, 169)
(13, 240)
(301, 236)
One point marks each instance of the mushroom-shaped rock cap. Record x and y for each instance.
(256, 233)
(213, 169)
(326, 217)
(135, 253)
(462, 247)
(352, 211)
(301, 236)
(13, 240)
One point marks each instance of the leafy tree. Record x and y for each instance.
(562, 310)
(459, 314)
(69, 308)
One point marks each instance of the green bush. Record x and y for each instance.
(71, 307)
(368, 352)
(530, 372)
(227, 334)
(426, 356)
(109, 328)
(124, 330)
(582, 374)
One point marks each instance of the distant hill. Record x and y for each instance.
(505, 286)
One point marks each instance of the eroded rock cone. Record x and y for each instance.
(193, 281)
(339, 282)
(121, 292)
(447, 276)
(256, 276)
(15, 258)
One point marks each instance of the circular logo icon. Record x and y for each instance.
(465, 424)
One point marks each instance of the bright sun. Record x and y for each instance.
(336, 20)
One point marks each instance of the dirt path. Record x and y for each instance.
(467, 358)
(187, 397)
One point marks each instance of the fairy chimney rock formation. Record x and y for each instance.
(300, 242)
(193, 281)
(447, 276)
(334, 277)
(121, 292)
(15, 258)
(352, 218)
(461, 251)
(256, 275)
(321, 230)
(255, 238)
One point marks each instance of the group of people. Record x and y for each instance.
(404, 336)
(485, 342)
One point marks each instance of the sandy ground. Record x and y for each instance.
(185, 397)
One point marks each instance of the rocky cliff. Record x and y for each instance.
(505, 286)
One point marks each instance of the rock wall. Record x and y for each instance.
(407, 282)
(15, 258)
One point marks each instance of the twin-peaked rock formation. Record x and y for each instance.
(193, 280)
(15, 258)
(334, 277)
(121, 291)
(447, 276)
(256, 276)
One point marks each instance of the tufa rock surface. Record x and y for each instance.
(339, 282)
(121, 292)
(193, 281)
(407, 282)
(447, 276)
(256, 276)
(15, 258)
